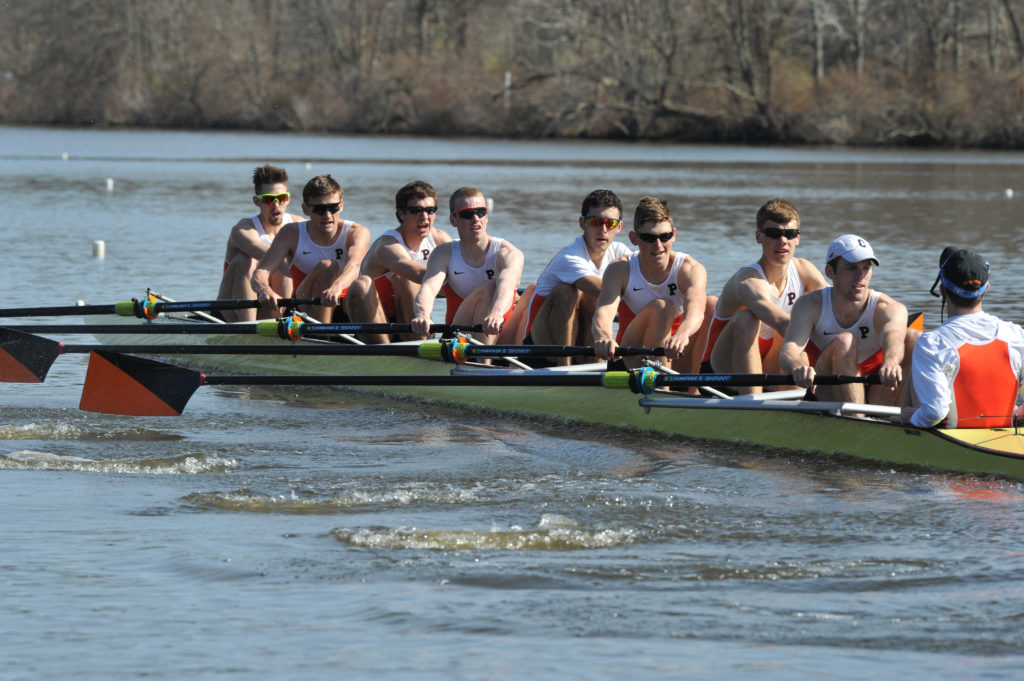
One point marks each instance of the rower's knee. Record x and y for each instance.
(839, 355)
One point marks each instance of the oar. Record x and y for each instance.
(250, 328)
(135, 386)
(26, 358)
(147, 309)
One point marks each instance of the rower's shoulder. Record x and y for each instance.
(809, 274)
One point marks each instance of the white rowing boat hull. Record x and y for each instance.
(996, 451)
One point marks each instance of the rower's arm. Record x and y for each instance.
(693, 282)
(931, 386)
(590, 285)
(755, 294)
(433, 280)
(246, 239)
(891, 319)
(395, 259)
(612, 285)
(510, 270)
(357, 243)
(793, 359)
(281, 250)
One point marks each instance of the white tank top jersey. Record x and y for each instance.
(264, 237)
(464, 279)
(863, 330)
(639, 292)
(786, 298)
(419, 255)
(308, 254)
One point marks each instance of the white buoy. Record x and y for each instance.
(309, 165)
(1008, 193)
(110, 184)
(490, 205)
(64, 156)
(99, 249)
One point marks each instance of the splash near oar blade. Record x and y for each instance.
(133, 386)
(25, 358)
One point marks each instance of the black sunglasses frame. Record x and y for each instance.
(470, 213)
(325, 208)
(649, 238)
(778, 232)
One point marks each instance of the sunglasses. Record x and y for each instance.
(651, 238)
(778, 233)
(325, 208)
(416, 210)
(269, 199)
(470, 213)
(607, 223)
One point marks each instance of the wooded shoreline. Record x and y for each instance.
(942, 73)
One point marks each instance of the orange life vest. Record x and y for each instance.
(985, 387)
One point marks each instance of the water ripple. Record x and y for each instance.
(175, 465)
(63, 430)
(253, 502)
(547, 536)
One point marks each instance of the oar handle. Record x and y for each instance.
(646, 380)
(152, 307)
(459, 352)
(296, 329)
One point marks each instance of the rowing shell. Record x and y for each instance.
(797, 425)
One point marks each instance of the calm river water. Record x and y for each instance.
(301, 533)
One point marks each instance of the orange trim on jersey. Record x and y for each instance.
(453, 300)
(386, 294)
(718, 326)
(535, 305)
(868, 367)
(297, 275)
(985, 387)
(626, 317)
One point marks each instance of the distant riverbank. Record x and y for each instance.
(802, 72)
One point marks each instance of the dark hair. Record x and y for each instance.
(321, 185)
(960, 301)
(651, 209)
(600, 198)
(267, 174)
(777, 210)
(417, 189)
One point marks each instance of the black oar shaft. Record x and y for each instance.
(217, 329)
(414, 380)
(134, 307)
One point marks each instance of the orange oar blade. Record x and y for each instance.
(916, 321)
(133, 386)
(24, 357)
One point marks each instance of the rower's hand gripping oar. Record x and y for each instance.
(121, 384)
(149, 308)
(26, 358)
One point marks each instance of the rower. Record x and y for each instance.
(752, 313)
(561, 309)
(325, 253)
(848, 328)
(250, 239)
(659, 294)
(394, 266)
(479, 272)
(967, 373)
